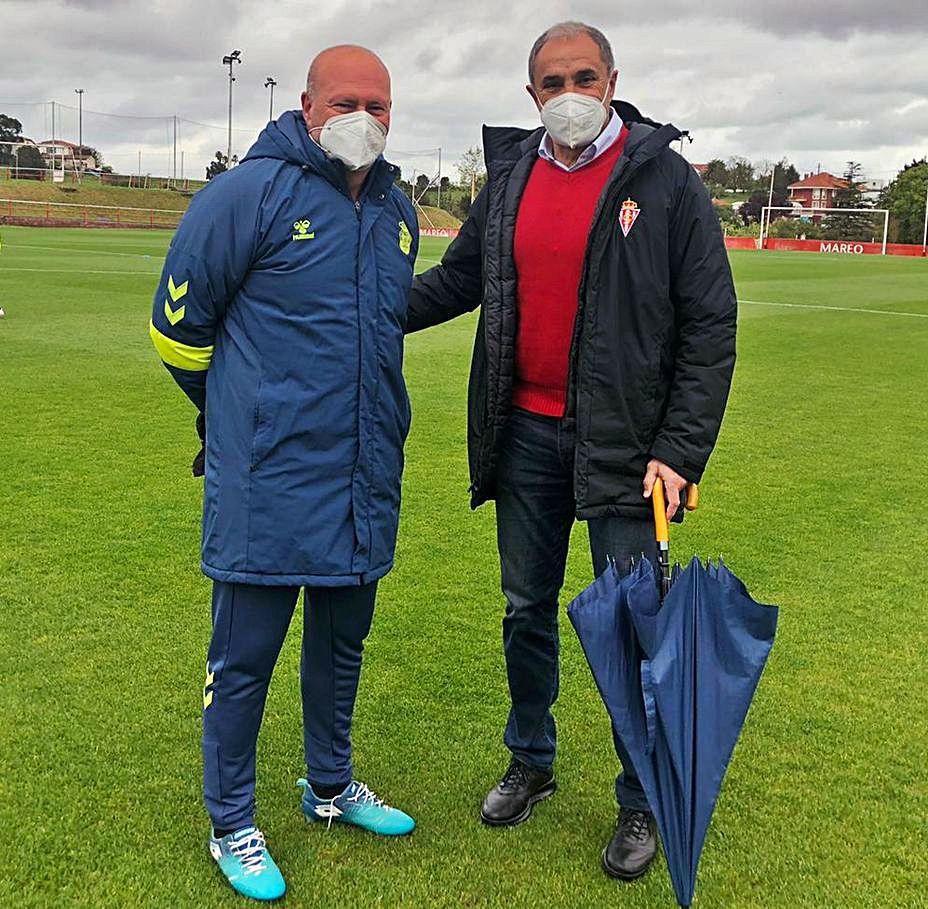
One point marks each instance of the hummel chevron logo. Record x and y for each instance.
(176, 292)
(210, 676)
(175, 315)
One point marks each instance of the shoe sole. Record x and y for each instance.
(621, 875)
(539, 796)
(311, 819)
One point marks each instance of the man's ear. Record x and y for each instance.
(613, 81)
(531, 91)
(306, 102)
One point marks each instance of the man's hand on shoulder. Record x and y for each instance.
(674, 484)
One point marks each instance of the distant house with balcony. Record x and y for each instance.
(74, 156)
(816, 190)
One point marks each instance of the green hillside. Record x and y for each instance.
(90, 192)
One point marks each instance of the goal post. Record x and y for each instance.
(814, 216)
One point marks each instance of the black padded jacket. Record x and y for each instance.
(653, 347)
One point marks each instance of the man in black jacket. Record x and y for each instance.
(603, 359)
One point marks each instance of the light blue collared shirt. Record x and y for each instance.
(599, 145)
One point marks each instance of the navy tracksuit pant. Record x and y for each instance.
(249, 626)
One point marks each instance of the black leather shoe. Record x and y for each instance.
(633, 845)
(510, 801)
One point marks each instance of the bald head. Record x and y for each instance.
(336, 60)
(344, 79)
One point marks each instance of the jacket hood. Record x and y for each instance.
(286, 139)
(504, 144)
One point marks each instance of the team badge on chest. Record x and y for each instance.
(628, 215)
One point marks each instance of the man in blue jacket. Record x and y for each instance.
(280, 313)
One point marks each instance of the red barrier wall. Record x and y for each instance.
(842, 248)
(741, 243)
(439, 232)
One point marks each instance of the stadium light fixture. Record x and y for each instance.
(270, 82)
(228, 60)
(685, 134)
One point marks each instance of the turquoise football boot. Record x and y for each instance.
(359, 806)
(243, 858)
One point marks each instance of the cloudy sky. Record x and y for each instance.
(820, 83)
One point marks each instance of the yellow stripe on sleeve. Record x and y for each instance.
(183, 356)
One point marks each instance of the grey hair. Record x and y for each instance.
(571, 30)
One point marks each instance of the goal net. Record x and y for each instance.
(864, 227)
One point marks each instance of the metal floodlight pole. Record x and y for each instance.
(80, 116)
(769, 205)
(925, 230)
(270, 82)
(228, 60)
(439, 176)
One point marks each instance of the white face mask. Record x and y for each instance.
(573, 119)
(355, 139)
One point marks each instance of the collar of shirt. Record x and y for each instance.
(600, 144)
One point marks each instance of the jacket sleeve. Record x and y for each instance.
(705, 305)
(207, 261)
(456, 285)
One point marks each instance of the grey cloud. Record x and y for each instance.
(812, 82)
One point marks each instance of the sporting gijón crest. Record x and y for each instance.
(628, 215)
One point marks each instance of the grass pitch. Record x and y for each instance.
(815, 496)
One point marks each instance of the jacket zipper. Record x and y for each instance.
(357, 286)
(573, 377)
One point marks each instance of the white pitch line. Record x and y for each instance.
(875, 312)
(76, 271)
(80, 252)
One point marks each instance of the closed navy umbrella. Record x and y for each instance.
(677, 676)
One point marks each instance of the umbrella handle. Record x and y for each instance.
(662, 533)
(662, 526)
(659, 504)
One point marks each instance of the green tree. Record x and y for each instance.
(85, 150)
(785, 175)
(740, 174)
(471, 169)
(10, 128)
(10, 131)
(217, 166)
(716, 172)
(751, 210)
(905, 198)
(30, 165)
(849, 227)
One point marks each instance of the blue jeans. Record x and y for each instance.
(249, 626)
(535, 511)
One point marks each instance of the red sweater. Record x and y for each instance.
(552, 229)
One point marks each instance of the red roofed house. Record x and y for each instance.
(72, 155)
(816, 190)
(701, 169)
